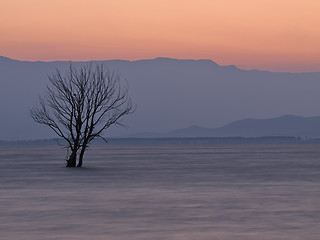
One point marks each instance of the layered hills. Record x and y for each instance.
(289, 125)
(172, 93)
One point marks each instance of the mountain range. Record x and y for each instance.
(170, 93)
(287, 125)
(284, 126)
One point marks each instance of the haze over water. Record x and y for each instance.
(162, 192)
(165, 192)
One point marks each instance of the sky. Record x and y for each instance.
(275, 35)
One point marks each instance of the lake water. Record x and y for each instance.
(162, 192)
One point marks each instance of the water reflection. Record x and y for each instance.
(222, 192)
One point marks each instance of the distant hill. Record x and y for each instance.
(288, 125)
(171, 93)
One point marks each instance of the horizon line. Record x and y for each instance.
(155, 58)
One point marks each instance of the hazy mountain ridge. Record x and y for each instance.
(169, 93)
(288, 125)
(284, 126)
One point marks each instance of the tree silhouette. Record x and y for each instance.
(81, 104)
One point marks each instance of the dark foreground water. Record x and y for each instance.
(202, 192)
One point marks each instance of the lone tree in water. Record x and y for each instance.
(81, 104)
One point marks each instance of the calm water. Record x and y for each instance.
(186, 192)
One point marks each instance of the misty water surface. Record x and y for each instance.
(181, 192)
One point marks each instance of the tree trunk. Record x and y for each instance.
(71, 162)
(83, 149)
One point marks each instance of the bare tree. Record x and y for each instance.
(81, 104)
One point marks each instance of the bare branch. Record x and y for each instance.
(82, 103)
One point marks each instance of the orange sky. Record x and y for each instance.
(277, 35)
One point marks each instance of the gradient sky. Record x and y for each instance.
(277, 35)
